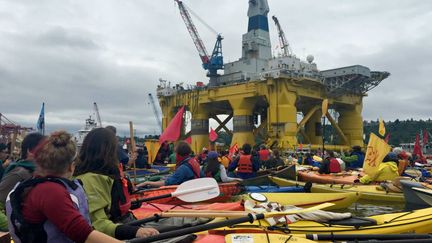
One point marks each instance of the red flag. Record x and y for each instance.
(232, 150)
(188, 140)
(172, 132)
(213, 135)
(301, 146)
(425, 137)
(387, 138)
(417, 148)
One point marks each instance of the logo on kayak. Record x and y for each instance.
(212, 192)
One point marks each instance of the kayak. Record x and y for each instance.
(418, 221)
(416, 195)
(333, 178)
(150, 209)
(262, 179)
(274, 189)
(368, 192)
(227, 190)
(305, 200)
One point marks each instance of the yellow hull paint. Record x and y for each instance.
(368, 192)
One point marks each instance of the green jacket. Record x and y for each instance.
(98, 189)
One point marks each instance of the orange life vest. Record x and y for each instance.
(245, 164)
(124, 206)
(334, 166)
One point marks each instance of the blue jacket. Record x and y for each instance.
(183, 173)
(359, 162)
(255, 167)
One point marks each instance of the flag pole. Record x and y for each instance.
(132, 142)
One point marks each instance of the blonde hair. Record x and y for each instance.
(56, 153)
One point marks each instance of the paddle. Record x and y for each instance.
(332, 237)
(195, 190)
(250, 217)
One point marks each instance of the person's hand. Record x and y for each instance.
(146, 232)
(142, 184)
(239, 179)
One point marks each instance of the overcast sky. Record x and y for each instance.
(70, 53)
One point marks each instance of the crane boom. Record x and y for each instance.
(97, 114)
(202, 51)
(156, 113)
(282, 39)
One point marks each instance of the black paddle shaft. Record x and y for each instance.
(249, 218)
(354, 237)
(393, 241)
(152, 198)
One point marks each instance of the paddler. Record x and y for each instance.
(330, 164)
(387, 170)
(213, 168)
(51, 207)
(188, 168)
(106, 188)
(264, 155)
(355, 159)
(246, 165)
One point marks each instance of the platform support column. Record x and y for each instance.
(351, 123)
(200, 129)
(242, 121)
(313, 128)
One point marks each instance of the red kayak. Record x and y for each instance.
(150, 209)
(227, 190)
(333, 178)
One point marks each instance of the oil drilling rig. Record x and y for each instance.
(276, 89)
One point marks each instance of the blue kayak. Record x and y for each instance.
(261, 189)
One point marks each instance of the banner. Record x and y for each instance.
(40, 125)
(172, 131)
(324, 107)
(152, 150)
(381, 129)
(417, 148)
(377, 149)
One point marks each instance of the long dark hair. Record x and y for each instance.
(98, 154)
(212, 166)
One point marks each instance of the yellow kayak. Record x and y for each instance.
(418, 221)
(263, 237)
(304, 200)
(368, 192)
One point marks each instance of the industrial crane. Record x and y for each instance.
(99, 121)
(211, 63)
(282, 39)
(158, 119)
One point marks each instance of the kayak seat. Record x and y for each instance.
(356, 222)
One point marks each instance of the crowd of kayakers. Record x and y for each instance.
(55, 192)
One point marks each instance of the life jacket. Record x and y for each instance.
(334, 166)
(193, 165)
(245, 164)
(264, 154)
(120, 197)
(225, 161)
(22, 231)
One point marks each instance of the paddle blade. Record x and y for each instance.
(424, 190)
(197, 190)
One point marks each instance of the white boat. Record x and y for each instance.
(90, 124)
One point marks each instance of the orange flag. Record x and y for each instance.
(213, 135)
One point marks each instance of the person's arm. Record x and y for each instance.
(349, 159)
(255, 164)
(10, 180)
(97, 237)
(152, 183)
(180, 175)
(233, 165)
(224, 176)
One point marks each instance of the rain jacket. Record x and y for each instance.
(386, 171)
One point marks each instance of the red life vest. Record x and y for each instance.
(125, 206)
(245, 164)
(264, 154)
(194, 165)
(334, 166)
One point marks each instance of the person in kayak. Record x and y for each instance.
(330, 164)
(387, 170)
(264, 154)
(355, 159)
(107, 189)
(50, 207)
(18, 171)
(246, 165)
(216, 170)
(275, 161)
(187, 169)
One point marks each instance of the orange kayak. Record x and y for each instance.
(227, 190)
(150, 209)
(333, 178)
